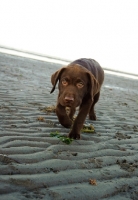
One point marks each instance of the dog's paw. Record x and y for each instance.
(66, 122)
(74, 135)
(92, 117)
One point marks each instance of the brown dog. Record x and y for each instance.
(79, 85)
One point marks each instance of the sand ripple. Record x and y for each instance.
(34, 165)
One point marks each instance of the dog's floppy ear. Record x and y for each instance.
(93, 85)
(55, 77)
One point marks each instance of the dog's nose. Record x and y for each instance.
(69, 99)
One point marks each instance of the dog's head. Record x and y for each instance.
(75, 84)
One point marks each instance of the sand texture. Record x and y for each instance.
(34, 165)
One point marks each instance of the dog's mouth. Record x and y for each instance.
(69, 106)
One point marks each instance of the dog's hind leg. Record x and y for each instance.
(92, 114)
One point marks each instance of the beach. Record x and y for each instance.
(33, 165)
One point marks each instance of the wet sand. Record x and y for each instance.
(34, 165)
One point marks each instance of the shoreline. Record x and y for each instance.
(48, 58)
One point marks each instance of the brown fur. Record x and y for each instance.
(79, 85)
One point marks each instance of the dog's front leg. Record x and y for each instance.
(78, 123)
(64, 119)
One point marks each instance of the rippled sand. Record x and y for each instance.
(34, 165)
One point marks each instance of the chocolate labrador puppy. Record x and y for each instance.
(79, 85)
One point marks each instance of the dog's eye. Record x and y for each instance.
(80, 84)
(64, 82)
